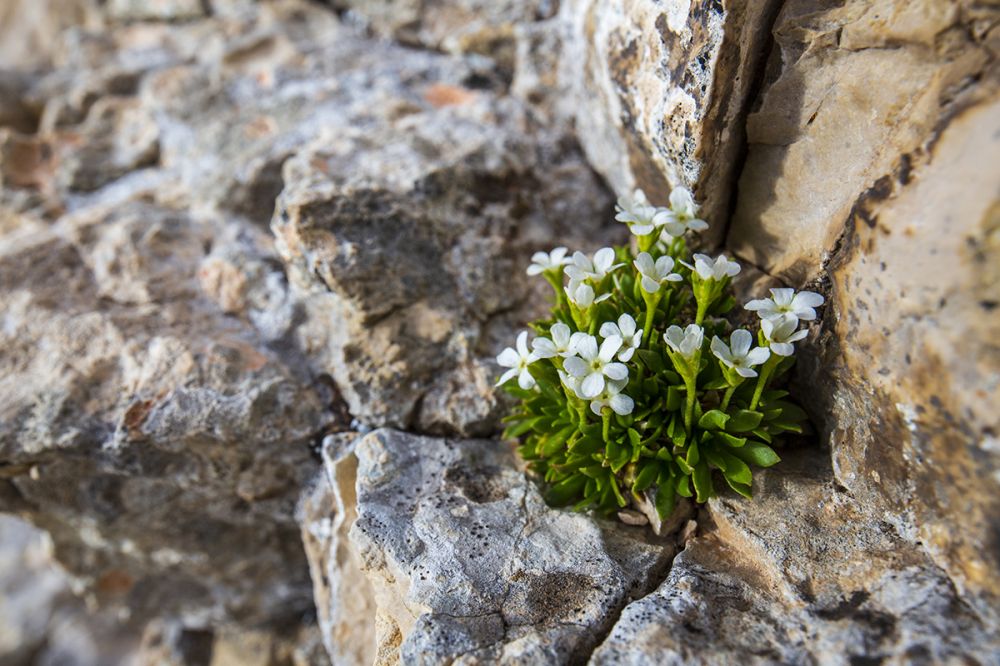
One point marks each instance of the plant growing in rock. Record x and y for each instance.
(636, 390)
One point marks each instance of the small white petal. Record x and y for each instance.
(576, 367)
(508, 358)
(746, 372)
(608, 329)
(544, 348)
(507, 376)
(592, 385)
(525, 380)
(609, 348)
(740, 342)
(621, 404)
(626, 324)
(522, 343)
(586, 347)
(758, 355)
(649, 285)
(616, 371)
(783, 348)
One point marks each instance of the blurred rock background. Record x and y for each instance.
(235, 234)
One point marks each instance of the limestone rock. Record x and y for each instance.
(41, 621)
(345, 600)
(829, 108)
(801, 574)
(162, 443)
(660, 92)
(412, 219)
(467, 562)
(885, 187)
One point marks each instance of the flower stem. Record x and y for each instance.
(765, 376)
(606, 418)
(652, 301)
(727, 397)
(689, 407)
(702, 307)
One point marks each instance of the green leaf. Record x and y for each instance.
(684, 485)
(676, 431)
(666, 499)
(702, 479)
(693, 454)
(664, 454)
(687, 469)
(742, 488)
(735, 469)
(634, 439)
(757, 453)
(744, 421)
(646, 476)
(554, 443)
(763, 434)
(674, 398)
(716, 384)
(519, 429)
(651, 360)
(713, 419)
(587, 445)
(566, 490)
(726, 439)
(618, 493)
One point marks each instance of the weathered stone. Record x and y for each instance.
(831, 123)
(413, 226)
(118, 136)
(345, 600)
(160, 442)
(41, 622)
(887, 187)
(659, 92)
(467, 562)
(170, 10)
(801, 574)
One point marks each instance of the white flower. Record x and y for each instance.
(593, 365)
(786, 301)
(570, 382)
(518, 362)
(583, 294)
(781, 333)
(681, 216)
(561, 343)
(583, 267)
(613, 397)
(654, 274)
(627, 331)
(543, 261)
(738, 355)
(713, 269)
(637, 213)
(685, 342)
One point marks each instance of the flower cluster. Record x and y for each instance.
(637, 390)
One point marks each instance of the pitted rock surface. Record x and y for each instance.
(468, 562)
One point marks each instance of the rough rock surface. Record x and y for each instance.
(762, 584)
(412, 218)
(887, 190)
(161, 442)
(464, 561)
(167, 361)
(658, 91)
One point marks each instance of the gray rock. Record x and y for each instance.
(467, 563)
(802, 574)
(161, 442)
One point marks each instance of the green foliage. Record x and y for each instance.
(695, 421)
